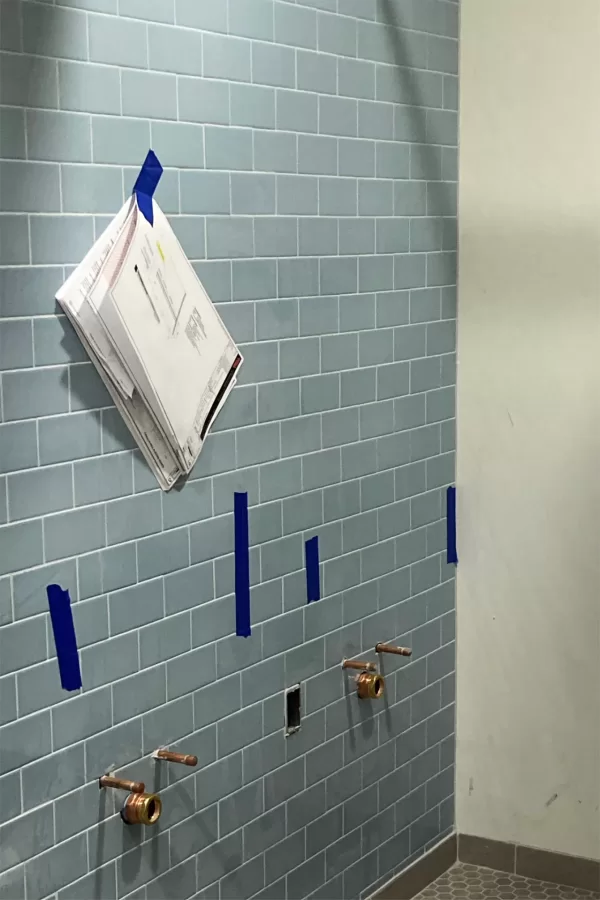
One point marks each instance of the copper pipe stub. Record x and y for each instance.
(184, 759)
(392, 648)
(358, 664)
(134, 787)
(141, 809)
(370, 685)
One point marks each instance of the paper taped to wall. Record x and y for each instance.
(154, 336)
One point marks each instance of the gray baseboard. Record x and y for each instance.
(559, 868)
(429, 867)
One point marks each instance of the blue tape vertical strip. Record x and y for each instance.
(61, 615)
(243, 627)
(451, 554)
(146, 184)
(313, 582)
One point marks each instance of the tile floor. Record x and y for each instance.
(464, 882)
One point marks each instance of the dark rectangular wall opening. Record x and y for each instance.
(293, 709)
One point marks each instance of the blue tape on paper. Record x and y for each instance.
(451, 554)
(313, 581)
(63, 628)
(243, 627)
(146, 184)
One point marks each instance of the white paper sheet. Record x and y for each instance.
(155, 337)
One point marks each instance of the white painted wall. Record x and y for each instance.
(528, 766)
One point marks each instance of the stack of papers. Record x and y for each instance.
(154, 336)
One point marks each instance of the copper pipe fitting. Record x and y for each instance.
(183, 759)
(141, 809)
(357, 664)
(121, 784)
(370, 685)
(391, 648)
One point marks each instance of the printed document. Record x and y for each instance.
(154, 336)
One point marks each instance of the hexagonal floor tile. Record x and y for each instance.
(466, 882)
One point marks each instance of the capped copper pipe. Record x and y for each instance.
(184, 759)
(141, 809)
(391, 648)
(358, 664)
(134, 787)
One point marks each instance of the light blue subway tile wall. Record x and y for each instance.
(310, 154)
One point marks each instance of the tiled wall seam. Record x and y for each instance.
(312, 183)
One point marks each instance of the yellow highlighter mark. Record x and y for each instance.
(160, 250)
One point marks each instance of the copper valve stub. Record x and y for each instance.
(370, 685)
(184, 759)
(141, 809)
(392, 648)
(121, 784)
(358, 664)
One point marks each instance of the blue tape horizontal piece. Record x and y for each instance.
(451, 553)
(313, 581)
(243, 627)
(146, 184)
(65, 640)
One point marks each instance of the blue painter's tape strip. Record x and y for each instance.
(313, 580)
(243, 627)
(451, 554)
(65, 640)
(146, 184)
